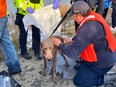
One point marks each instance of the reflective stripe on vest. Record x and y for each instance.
(89, 54)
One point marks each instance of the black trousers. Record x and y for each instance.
(105, 12)
(114, 15)
(23, 36)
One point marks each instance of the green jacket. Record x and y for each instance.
(21, 5)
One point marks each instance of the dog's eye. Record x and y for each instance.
(45, 48)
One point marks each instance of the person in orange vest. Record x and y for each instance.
(6, 46)
(93, 42)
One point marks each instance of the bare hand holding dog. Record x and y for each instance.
(56, 41)
(67, 40)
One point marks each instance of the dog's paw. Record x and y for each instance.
(44, 72)
(67, 65)
(54, 76)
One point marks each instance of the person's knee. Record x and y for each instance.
(79, 83)
(82, 82)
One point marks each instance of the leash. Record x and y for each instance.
(61, 21)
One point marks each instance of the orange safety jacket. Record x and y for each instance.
(3, 8)
(89, 54)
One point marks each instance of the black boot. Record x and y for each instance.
(38, 56)
(26, 56)
(78, 64)
(14, 73)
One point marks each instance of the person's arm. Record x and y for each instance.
(79, 43)
(67, 40)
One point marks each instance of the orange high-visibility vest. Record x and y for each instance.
(89, 54)
(3, 8)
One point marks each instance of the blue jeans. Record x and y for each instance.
(7, 47)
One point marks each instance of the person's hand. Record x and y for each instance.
(30, 10)
(67, 40)
(56, 41)
(56, 4)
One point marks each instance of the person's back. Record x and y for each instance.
(105, 58)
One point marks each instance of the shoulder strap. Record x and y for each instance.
(5, 73)
(17, 84)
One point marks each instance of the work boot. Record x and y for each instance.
(38, 56)
(14, 73)
(77, 66)
(26, 56)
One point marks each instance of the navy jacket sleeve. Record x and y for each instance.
(81, 40)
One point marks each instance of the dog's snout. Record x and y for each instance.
(49, 57)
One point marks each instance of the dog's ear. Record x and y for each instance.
(41, 47)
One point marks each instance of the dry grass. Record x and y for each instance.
(108, 17)
(114, 34)
(13, 29)
(1, 56)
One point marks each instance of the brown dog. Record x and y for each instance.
(49, 51)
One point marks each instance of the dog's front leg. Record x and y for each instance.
(54, 67)
(45, 66)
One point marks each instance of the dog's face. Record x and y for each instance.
(47, 48)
